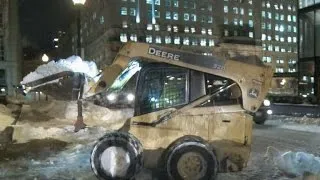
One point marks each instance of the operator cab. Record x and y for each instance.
(151, 87)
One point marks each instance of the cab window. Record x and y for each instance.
(163, 88)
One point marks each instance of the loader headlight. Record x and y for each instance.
(111, 97)
(130, 97)
(266, 102)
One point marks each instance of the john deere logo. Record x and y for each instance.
(253, 93)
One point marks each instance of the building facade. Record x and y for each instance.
(309, 48)
(10, 49)
(196, 25)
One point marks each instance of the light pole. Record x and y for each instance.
(79, 124)
(78, 4)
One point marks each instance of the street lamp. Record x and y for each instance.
(79, 3)
(45, 58)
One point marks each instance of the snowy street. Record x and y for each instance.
(51, 150)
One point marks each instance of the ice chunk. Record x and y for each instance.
(296, 163)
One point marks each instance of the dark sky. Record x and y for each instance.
(41, 19)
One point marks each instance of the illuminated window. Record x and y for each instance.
(294, 29)
(282, 39)
(186, 29)
(186, 16)
(211, 42)
(283, 50)
(132, 11)
(294, 18)
(277, 37)
(124, 24)
(210, 19)
(157, 2)
(235, 10)
(277, 16)
(101, 20)
(270, 47)
(263, 25)
(149, 27)
(226, 9)
(292, 70)
(282, 17)
(294, 39)
(175, 3)
(193, 17)
(210, 7)
(175, 16)
(168, 15)
(157, 27)
(276, 48)
(279, 70)
(203, 42)
(175, 28)
(226, 32)
(289, 7)
(280, 61)
(250, 23)
(124, 11)
(289, 18)
(263, 37)
(168, 40)
(268, 4)
(241, 11)
(281, 29)
(269, 15)
(149, 39)
(193, 30)
(133, 37)
(266, 59)
(276, 28)
(158, 39)
(210, 31)
(203, 31)
(250, 12)
(225, 20)
(176, 40)
(186, 41)
(289, 39)
(289, 28)
(269, 38)
(281, 6)
(250, 2)
(169, 28)
(235, 21)
(241, 22)
(263, 13)
(123, 37)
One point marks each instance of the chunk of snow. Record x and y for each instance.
(73, 63)
(295, 163)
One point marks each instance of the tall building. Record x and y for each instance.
(10, 49)
(197, 25)
(309, 48)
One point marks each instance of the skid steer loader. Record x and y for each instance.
(192, 113)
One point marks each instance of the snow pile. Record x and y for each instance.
(297, 120)
(73, 63)
(5, 117)
(294, 164)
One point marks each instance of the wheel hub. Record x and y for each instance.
(192, 165)
(115, 161)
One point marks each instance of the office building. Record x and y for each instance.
(10, 50)
(309, 48)
(196, 25)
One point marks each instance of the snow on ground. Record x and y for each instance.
(5, 117)
(295, 123)
(73, 63)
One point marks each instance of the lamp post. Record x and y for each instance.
(78, 4)
(79, 124)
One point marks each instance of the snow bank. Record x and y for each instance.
(295, 163)
(5, 117)
(73, 63)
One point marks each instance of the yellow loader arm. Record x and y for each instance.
(254, 79)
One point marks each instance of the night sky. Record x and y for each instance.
(40, 20)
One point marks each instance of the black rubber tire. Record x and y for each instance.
(190, 144)
(260, 119)
(118, 139)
